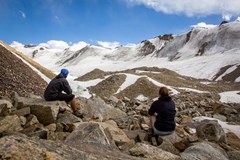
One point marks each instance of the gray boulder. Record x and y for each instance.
(45, 111)
(211, 130)
(203, 151)
(96, 108)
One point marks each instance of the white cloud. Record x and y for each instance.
(111, 45)
(54, 44)
(203, 25)
(238, 19)
(226, 17)
(23, 14)
(193, 7)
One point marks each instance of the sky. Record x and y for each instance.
(107, 21)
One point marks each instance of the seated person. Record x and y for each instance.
(162, 114)
(55, 88)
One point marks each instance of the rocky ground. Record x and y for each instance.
(113, 128)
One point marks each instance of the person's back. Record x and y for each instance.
(165, 109)
(55, 87)
(162, 114)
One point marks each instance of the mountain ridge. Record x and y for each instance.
(204, 52)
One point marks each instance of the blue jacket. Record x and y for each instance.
(165, 109)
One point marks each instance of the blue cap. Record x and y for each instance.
(64, 72)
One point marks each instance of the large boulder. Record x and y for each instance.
(91, 133)
(45, 111)
(96, 108)
(150, 152)
(20, 147)
(101, 138)
(10, 124)
(211, 130)
(203, 151)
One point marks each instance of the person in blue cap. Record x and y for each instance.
(56, 88)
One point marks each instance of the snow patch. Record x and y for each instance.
(230, 97)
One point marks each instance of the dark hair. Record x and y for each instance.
(163, 91)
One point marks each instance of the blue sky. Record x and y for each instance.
(123, 21)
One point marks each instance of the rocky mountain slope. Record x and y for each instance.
(18, 76)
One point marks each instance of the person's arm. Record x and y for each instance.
(66, 87)
(152, 109)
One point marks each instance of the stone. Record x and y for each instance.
(51, 127)
(23, 120)
(8, 103)
(144, 126)
(36, 130)
(234, 155)
(45, 114)
(19, 147)
(10, 123)
(202, 150)
(68, 118)
(57, 136)
(31, 120)
(21, 112)
(211, 130)
(220, 117)
(151, 152)
(96, 107)
(4, 111)
(233, 140)
(45, 111)
(91, 133)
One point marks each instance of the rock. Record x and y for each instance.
(202, 151)
(21, 112)
(23, 120)
(99, 134)
(45, 114)
(10, 123)
(233, 140)
(57, 136)
(8, 103)
(119, 137)
(45, 111)
(19, 147)
(91, 133)
(186, 119)
(151, 152)
(4, 111)
(144, 126)
(97, 108)
(220, 117)
(136, 135)
(234, 155)
(211, 130)
(51, 127)
(68, 118)
(31, 120)
(100, 138)
(35, 130)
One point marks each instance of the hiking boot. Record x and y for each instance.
(78, 114)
